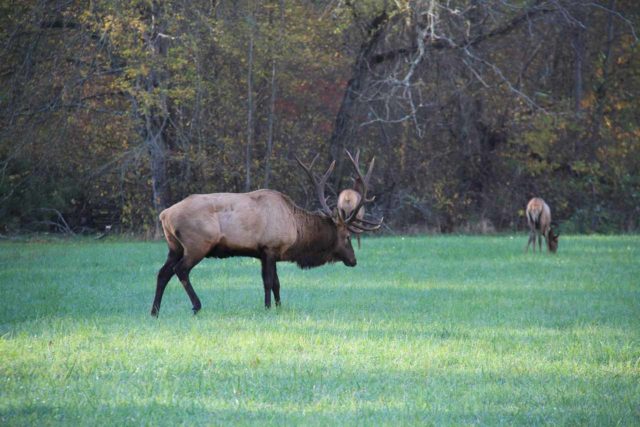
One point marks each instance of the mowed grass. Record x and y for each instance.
(450, 330)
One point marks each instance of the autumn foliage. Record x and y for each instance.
(112, 110)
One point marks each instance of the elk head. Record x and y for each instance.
(344, 225)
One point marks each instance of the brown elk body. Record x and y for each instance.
(539, 220)
(263, 224)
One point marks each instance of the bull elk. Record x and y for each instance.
(539, 220)
(263, 224)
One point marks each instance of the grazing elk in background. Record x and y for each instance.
(263, 224)
(349, 198)
(539, 220)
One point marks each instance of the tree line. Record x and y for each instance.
(111, 111)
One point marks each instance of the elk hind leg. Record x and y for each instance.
(532, 238)
(182, 269)
(164, 275)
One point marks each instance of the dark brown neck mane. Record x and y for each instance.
(316, 239)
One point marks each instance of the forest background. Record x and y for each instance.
(112, 110)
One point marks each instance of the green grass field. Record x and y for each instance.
(425, 330)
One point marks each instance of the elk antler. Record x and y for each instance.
(359, 225)
(319, 186)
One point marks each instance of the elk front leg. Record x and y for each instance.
(546, 239)
(269, 279)
(276, 285)
(539, 242)
(182, 269)
(532, 238)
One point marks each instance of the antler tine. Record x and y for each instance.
(319, 186)
(367, 222)
(320, 189)
(360, 225)
(356, 165)
(306, 168)
(354, 230)
(326, 175)
(368, 175)
(357, 159)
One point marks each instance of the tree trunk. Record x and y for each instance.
(250, 106)
(579, 52)
(601, 89)
(272, 101)
(272, 104)
(156, 117)
(344, 120)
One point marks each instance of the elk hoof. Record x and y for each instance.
(154, 312)
(195, 310)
